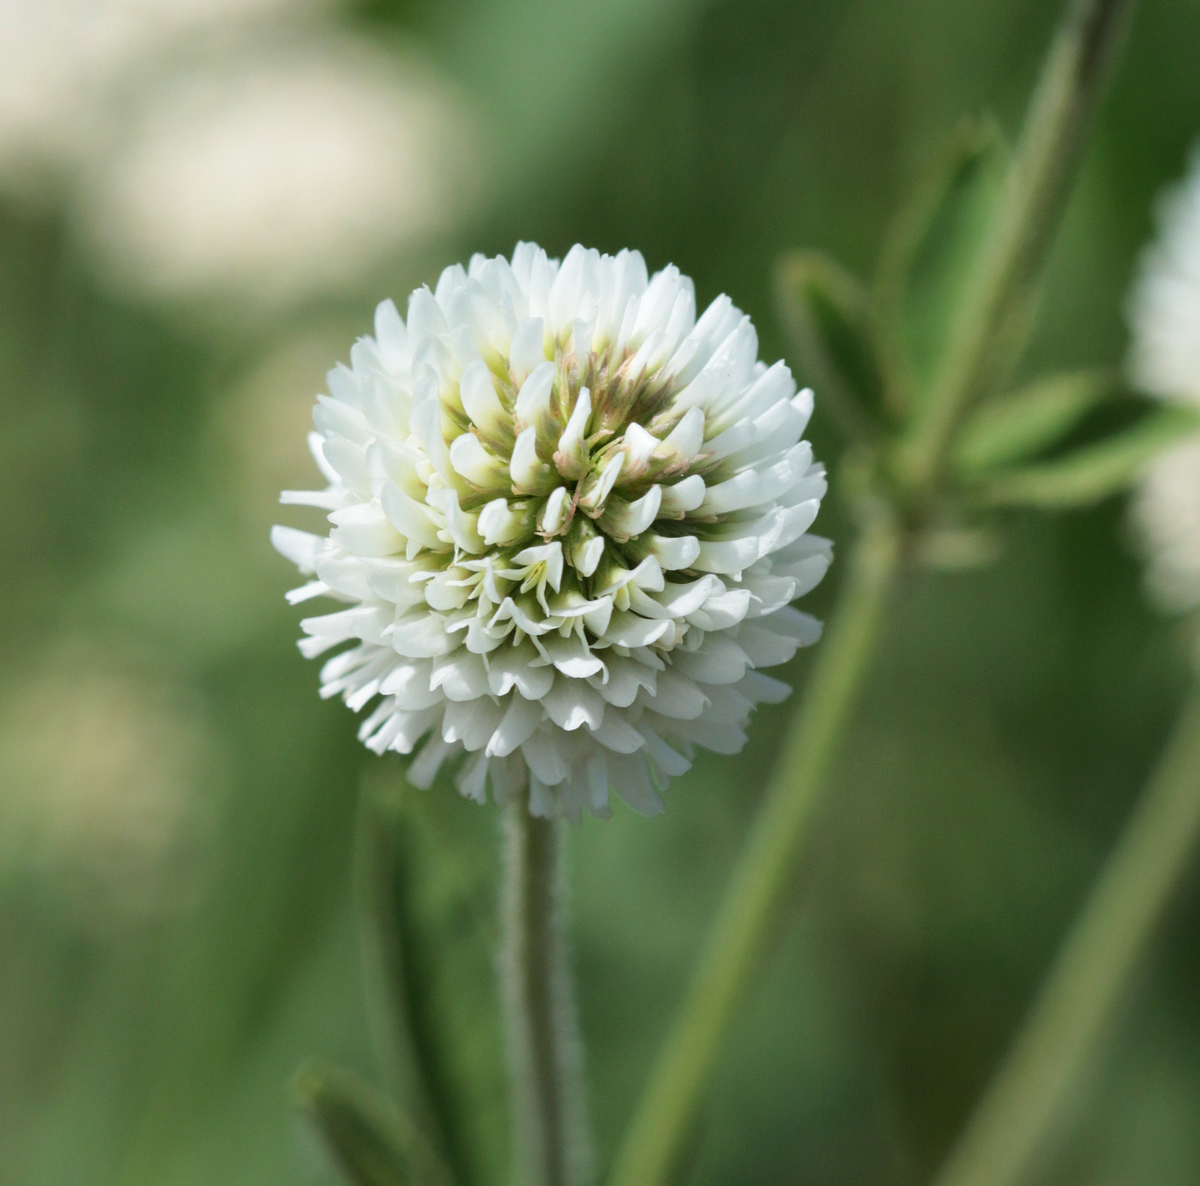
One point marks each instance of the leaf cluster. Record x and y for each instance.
(875, 352)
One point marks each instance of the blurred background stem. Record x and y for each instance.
(552, 1148)
(987, 334)
(1075, 1006)
(763, 872)
(989, 330)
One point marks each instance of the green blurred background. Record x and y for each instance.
(200, 205)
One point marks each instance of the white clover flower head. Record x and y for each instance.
(568, 518)
(1165, 362)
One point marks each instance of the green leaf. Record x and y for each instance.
(827, 314)
(1096, 471)
(1023, 423)
(931, 248)
(367, 1137)
(425, 870)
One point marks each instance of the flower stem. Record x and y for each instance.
(543, 1043)
(986, 336)
(1076, 1003)
(763, 873)
(991, 323)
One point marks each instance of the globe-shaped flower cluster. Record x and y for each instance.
(568, 518)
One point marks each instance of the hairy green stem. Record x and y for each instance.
(991, 324)
(1074, 1008)
(762, 875)
(543, 1043)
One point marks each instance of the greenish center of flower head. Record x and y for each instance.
(582, 474)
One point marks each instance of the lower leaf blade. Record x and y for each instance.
(1088, 475)
(1015, 427)
(365, 1135)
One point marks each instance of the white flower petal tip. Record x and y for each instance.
(567, 521)
(1164, 313)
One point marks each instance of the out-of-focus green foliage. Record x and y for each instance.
(1024, 423)
(177, 918)
(1093, 472)
(827, 315)
(367, 1138)
(930, 249)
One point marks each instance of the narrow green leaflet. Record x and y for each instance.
(827, 315)
(1096, 471)
(929, 252)
(1018, 426)
(366, 1136)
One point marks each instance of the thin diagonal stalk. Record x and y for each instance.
(543, 1043)
(987, 333)
(985, 337)
(1074, 1009)
(763, 872)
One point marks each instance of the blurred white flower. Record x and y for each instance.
(1165, 362)
(1166, 509)
(1165, 309)
(64, 64)
(258, 425)
(568, 518)
(114, 815)
(289, 170)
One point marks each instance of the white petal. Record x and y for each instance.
(683, 496)
(306, 592)
(630, 630)
(512, 667)
(678, 696)
(500, 524)
(526, 468)
(638, 445)
(461, 676)
(586, 555)
(408, 683)
(617, 734)
(471, 722)
(572, 452)
(729, 556)
(461, 526)
(718, 661)
(533, 400)
(527, 351)
(479, 398)
(673, 552)
(627, 520)
(554, 513)
(300, 547)
(595, 494)
(520, 719)
(475, 463)
(410, 518)
(686, 439)
(762, 689)
(572, 704)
